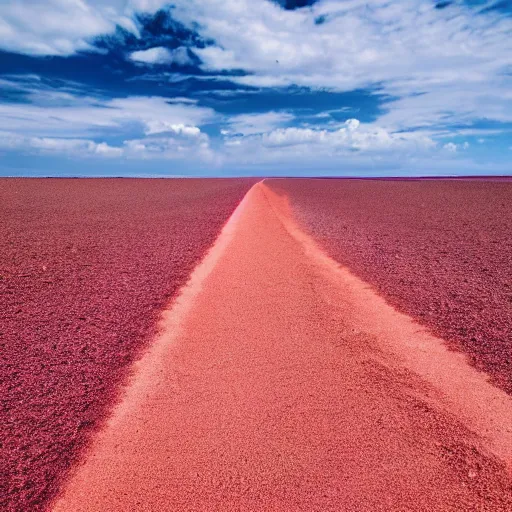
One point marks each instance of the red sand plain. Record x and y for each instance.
(281, 382)
(86, 267)
(439, 250)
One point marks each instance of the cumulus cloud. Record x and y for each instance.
(294, 144)
(366, 150)
(65, 123)
(54, 113)
(451, 147)
(154, 127)
(161, 56)
(75, 147)
(173, 146)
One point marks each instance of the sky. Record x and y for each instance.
(255, 87)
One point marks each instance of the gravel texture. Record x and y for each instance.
(85, 268)
(290, 386)
(439, 250)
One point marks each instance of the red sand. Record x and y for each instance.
(86, 267)
(439, 250)
(281, 382)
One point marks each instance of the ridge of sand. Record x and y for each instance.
(281, 382)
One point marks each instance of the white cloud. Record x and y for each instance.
(250, 124)
(177, 142)
(446, 104)
(367, 150)
(64, 27)
(451, 147)
(439, 68)
(361, 42)
(352, 125)
(297, 145)
(52, 27)
(174, 146)
(53, 113)
(154, 127)
(75, 147)
(64, 123)
(160, 55)
(149, 6)
(105, 150)
(444, 66)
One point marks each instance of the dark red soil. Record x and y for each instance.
(86, 266)
(439, 250)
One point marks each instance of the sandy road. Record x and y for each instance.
(281, 382)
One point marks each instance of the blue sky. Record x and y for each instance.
(260, 87)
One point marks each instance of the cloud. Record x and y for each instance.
(148, 6)
(172, 148)
(451, 147)
(154, 127)
(162, 56)
(55, 113)
(52, 27)
(54, 122)
(359, 44)
(441, 66)
(432, 74)
(250, 124)
(65, 27)
(49, 145)
(295, 145)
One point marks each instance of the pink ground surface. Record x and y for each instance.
(86, 266)
(439, 250)
(280, 382)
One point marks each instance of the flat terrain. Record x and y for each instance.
(85, 268)
(439, 250)
(281, 382)
(168, 347)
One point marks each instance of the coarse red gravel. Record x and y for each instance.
(86, 266)
(439, 250)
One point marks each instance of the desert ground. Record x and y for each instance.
(238, 344)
